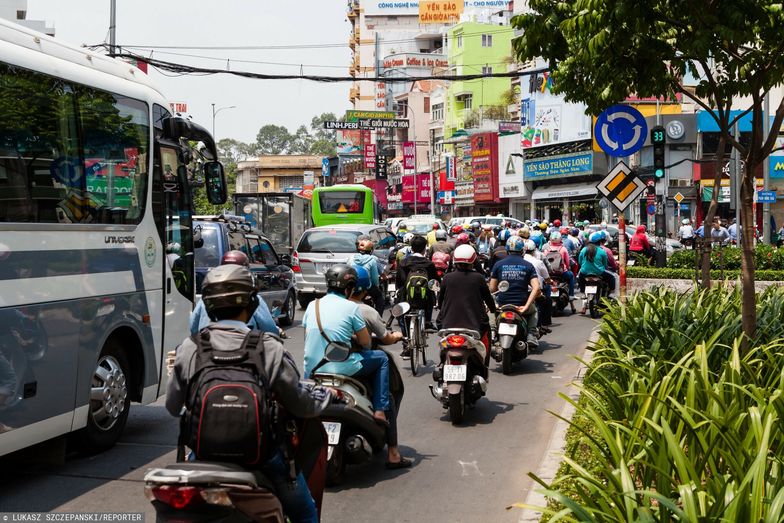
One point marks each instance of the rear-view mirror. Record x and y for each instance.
(215, 183)
(285, 259)
(336, 352)
(503, 286)
(400, 309)
(433, 285)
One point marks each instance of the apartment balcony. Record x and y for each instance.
(353, 93)
(353, 8)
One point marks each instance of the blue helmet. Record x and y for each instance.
(604, 234)
(504, 235)
(595, 237)
(515, 244)
(363, 279)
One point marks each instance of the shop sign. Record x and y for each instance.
(776, 162)
(484, 166)
(558, 166)
(370, 156)
(548, 119)
(403, 8)
(511, 191)
(510, 167)
(414, 60)
(440, 11)
(421, 189)
(409, 155)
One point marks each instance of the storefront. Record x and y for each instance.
(484, 167)
(510, 177)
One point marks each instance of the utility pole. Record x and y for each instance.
(766, 232)
(112, 26)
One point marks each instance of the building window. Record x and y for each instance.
(487, 40)
(460, 40)
(468, 102)
(487, 70)
(20, 15)
(438, 112)
(427, 104)
(290, 181)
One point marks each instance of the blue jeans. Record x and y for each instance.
(295, 497)
(569, 275)
(376, 365)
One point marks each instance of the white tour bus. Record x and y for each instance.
(96, 246)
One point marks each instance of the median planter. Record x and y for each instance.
(682, 280)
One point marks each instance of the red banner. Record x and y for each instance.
(409, 155)
(370, 156)
(422, 189)
(484, 165)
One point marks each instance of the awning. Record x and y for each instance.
(572, 190)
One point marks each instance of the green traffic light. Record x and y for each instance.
(659, 173)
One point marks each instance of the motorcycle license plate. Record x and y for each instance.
(591, 290)
(455, 372)
(333, 432)
(509, 329)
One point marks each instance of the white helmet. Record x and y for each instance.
(685, 221)
(530, 246)
(407, 237)
(465, 254)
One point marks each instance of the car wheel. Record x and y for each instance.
(288, 310)
(109, 403)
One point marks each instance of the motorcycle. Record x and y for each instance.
(354, 435)
(559, 292)
(595, 290)
(461, 376)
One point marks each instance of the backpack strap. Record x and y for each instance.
(318, 322)
(253, 345)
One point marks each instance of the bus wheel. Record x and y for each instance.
(109, 401)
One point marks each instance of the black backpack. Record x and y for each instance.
(416, 288)
(229, 409)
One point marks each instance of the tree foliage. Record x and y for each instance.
(601, 52)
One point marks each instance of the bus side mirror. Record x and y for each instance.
(215, 183)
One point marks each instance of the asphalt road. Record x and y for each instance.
(465, 473)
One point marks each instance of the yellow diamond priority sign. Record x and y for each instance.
(678, 197)
(621, 187)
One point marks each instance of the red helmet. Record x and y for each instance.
(564, 231)
(235, 258)
(465, 254)
(436, 226)
(457, 229)
(462, 239)
(557, 223)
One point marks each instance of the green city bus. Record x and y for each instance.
(343, 204)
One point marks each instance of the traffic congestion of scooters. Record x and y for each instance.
(488, 293)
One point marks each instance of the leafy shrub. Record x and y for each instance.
(683, 259)
(765, 257)
(689, 274)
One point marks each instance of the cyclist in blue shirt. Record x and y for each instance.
(520, 274)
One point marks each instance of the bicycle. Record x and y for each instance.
(417, 338)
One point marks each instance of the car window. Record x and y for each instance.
(268, 253)
(208, 255)
(237, 242)
(329, 240)
(255, 250)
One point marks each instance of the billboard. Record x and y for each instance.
(510, 167)
(440, 11)
(416, 184)
(404, 8)
(547, 118)
(484, 166)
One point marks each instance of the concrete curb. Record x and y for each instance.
(555, 447)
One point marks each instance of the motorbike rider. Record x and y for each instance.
(365, 258)
(485, 242)
(378, 328)
(441, 244)
(555, 245)
(593, 262)
(405, 250)
(639, 244)
(520, 274)
(463, 297)
(441, 252)
(417, 262)
(341, 320)
(431, 236)
(499, 253)
(464, 239)
(544, 304)
(230, 298)
(686, 233)
(261, 318)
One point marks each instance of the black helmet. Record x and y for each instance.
(228, 287)
(340, 277)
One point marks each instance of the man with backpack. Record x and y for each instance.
(228, 359)
(413, 275)
(558, 261)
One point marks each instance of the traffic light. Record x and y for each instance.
(658, 139)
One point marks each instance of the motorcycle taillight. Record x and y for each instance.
(507, 315)
(455, 340)
(178, 497)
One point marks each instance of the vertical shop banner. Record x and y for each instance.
(451, 168)
(308, 183)
(484, 165)
(370, 156)
(409, 155)
(381, 167)
(416, 186)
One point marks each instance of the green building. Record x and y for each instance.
(477, 48)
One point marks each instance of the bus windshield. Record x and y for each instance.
(343, 204)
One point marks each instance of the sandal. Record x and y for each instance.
(402, 464)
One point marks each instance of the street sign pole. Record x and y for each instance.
(621, 245)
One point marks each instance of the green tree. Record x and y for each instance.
(301, 141)
(273, 139)
(601, 52)
(324, 140)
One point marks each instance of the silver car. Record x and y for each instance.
(322, 247)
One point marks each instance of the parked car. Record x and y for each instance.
(322, 247)
(492, 220)
(222, 234)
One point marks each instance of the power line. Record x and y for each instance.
(187, 69)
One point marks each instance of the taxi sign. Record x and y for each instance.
(621, 186)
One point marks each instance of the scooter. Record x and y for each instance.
(461, 378)
(354, 435)
(197, 491)
(559, 292)
(595, 290)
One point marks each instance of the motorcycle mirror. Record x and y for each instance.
(336, 352)
(503, 286)
(433, 285)
(400, 309)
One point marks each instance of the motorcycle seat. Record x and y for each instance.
(509, 307)
(206, 474)
(360, 382)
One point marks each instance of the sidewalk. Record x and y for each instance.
(552, 457)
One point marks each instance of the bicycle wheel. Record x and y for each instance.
(413, 342)
(422, 345)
